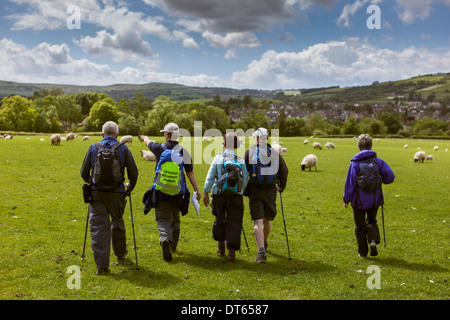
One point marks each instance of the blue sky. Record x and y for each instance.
(259, 44)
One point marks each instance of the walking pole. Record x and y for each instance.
(285, 231)
(132, 224)
(384, 231)
(85, 234)
(243, 232)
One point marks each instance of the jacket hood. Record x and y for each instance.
(364, 155)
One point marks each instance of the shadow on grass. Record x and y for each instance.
(276, 263)
(145, 277)
(396, 262)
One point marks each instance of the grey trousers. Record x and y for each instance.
(106, 225)
(167, 216)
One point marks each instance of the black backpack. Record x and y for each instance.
(369, 177)
(107, 172)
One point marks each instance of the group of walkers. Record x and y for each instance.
(260, 175)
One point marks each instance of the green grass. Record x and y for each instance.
(43, 216)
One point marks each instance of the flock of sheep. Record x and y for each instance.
(308, 162)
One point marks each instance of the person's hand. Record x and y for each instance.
(205, 199)
(346, 205)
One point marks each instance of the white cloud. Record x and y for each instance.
(347, 62)
(351, 9)
(410, 10)
(48, 63)
(122, 47)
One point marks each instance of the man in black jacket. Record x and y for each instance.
(263, 195)
(108, 202)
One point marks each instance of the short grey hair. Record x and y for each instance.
(110, 128)
(365, 142)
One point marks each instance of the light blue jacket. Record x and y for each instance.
(216, 169)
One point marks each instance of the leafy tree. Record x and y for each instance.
(68, 109)
(372, 126)
(102, 112)
(17, 114)
(391, 122)
(350, 127)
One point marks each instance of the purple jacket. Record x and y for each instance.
(366, 200)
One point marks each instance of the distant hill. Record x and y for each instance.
(127, 91)
(424, 85)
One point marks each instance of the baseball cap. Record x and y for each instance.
(170, 127)
(261, 132)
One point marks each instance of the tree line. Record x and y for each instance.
(52, 111)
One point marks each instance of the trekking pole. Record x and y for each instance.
(285, 231)
(243, 232)
(132, 224)
(384, 231)
(85, 235)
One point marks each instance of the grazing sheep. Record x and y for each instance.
(406, 146)
(305, 142)
(8, 137)
(308, 162)
(55, 139)
(85, 138)
(126, 139)
(278, 148)
(42, 139)
(420, 156)
(317, 145)
(28, 139)
(430, 158)
(206, 139)
(148, 155)
(436, 148)
(71, 136)
(141, 138)
(284, 151)
(330, 145)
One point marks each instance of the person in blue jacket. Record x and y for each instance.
(365, 204)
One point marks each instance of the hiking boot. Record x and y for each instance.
(373, 248)
(167, 255)
(231, 255)
(221, 249)
(101, 271)
(123, 256)
(261, 258)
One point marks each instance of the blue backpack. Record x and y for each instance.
(264, 171)
(169, 175)
(230, 182)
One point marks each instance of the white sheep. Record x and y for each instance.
(317, 145)
(55, 139)
(148, 155)
(420, 156)
(309, 161)
(430, 158)
(126, 139)
(141, 138)
(71, 136)
(305, 142)
(278, 148)
(330, 145)
(436, 148)
(206, 139)
(8, 137)
(285, 150)
(406, 146)
(85, 138)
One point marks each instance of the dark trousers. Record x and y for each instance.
(106, 206)
(366, 229)
(227, 226)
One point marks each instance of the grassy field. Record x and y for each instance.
(43, 216)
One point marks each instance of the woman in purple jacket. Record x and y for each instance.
(365, 202)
